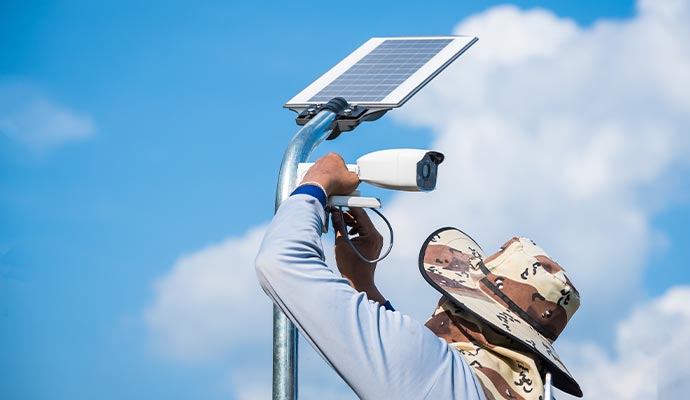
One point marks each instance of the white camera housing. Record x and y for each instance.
(411, 170)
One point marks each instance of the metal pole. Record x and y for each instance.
(284, 333)
(548, 388)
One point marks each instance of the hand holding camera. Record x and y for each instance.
(332, 174)
(397, 169)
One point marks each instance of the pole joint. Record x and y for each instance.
(348, 116)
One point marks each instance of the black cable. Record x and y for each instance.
(347, 237)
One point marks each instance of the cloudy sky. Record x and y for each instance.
(139, 150)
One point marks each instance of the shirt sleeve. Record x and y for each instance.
(379, 353)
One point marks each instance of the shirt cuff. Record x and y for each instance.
(312, 190)
(388, 306)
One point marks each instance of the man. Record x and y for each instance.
(380, 353)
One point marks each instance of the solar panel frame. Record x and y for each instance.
(455, 46)
(382, 70)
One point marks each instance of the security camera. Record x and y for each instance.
(411, 170)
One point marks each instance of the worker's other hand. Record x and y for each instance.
(368, 242)
(332, 174)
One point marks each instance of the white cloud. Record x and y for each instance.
(649, 358)
(210, 302)
(560, 133)
(250, 384)
(37, 122)
(317, 380)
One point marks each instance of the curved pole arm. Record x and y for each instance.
(284, 333)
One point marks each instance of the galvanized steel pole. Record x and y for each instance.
(548, 387)
(284, 333)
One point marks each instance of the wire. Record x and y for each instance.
(352, 246)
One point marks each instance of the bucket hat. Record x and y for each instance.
(519, 291)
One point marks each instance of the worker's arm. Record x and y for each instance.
(379, 353)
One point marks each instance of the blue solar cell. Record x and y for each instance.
(381, 71)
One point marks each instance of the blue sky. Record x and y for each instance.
(162, 133)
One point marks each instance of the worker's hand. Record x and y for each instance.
(330, 172)
(368, 242)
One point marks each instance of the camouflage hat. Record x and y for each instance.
(519, 291)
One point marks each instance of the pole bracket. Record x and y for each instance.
(348, 116)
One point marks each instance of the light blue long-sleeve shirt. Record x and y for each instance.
(380, 354)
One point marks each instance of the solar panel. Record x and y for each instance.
(384, 72)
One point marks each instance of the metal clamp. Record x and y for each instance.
(348, 116)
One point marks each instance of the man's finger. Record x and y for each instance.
(337, 222)
(357, 212)
(361, 216)
(342, 217)
(349, 219)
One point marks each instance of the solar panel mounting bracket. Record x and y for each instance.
(348, 117)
